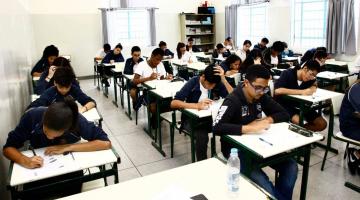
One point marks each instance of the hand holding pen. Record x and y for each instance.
(32, 162)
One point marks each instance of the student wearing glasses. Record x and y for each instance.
(241, 113)
(300, 82)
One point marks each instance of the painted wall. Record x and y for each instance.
(16, 58)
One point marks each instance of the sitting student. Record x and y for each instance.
(131, 63)
(49, 54)
(244, 52)
(148, 70)
(167, 52)
(46, 79)
(254, 57)
(111, 57)
(190, 47)
(262, 44)
(272, 55)
(58, 128)
(231, 65)
(197, 94)
(102, 52)
(241, 113)
(300, 82)
(63, 79)
(320, 56)
(220, 52)
(182, 54)
(228, 44)
(309, 54)
(350, 123)
(287, 52)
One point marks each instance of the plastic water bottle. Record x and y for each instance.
(233, 164)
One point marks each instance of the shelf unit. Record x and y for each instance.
(201, 27)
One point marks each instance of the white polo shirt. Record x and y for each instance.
(144, 70)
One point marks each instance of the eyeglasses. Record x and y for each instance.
(260, 89)
(311, 74)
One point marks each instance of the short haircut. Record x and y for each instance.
(134, 49)
(210, 75)
(285, 45)
(247, 42)
(119, 46)
(321, 49)
(50, 50)
(228, 38)
(312, 65)
(257, 71)
(157, 52)
(231, 59)
(319, 54)
(61, 62)
(162, 43)
(107, 47)
(190, 39)
(64, 76)
(219, 46)
(278, 46)
(265, 40)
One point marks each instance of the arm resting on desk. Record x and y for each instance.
(94, 145)
(137, 79)
(16, 156)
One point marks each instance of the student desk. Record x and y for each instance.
(195, 117)
(117, 74)
(34, 97)
(317, 102)
(280, 144)
(128, 80)
(106, 68)
(207, 177)
(290, 59)
(93, 115)
(163, 94)
(334, 78)
(63, 164)
(218, 60)
(96, 73)
(336, 66)
(200, 56)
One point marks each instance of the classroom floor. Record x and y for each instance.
(140, 158)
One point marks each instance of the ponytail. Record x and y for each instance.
(62, 115)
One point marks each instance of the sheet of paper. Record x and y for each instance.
(173, 192)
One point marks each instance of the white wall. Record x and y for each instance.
(75, 27)
(16, 58)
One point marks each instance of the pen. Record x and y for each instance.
(72, 155)
(262, 139)
(32, 149)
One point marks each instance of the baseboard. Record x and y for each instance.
(85, 77)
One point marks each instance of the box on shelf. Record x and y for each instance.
(206, 10)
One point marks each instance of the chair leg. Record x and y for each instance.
(346, 149)
(172, 140)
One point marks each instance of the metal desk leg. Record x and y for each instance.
(192, 127)
(158, 130)
(305, 173)
(115, 91)
(301, 115)
(148, 129)
(128, 113)
(352, 186)
(122, 91)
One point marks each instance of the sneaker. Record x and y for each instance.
(353, 161)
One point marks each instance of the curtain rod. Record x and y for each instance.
(119, 8)
(250, 4)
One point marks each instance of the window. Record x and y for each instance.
(251, 23)
(128, 27)
(309, 19)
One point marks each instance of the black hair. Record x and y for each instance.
(178, 47)
(249, 60)
(210, 76)
(50, 50)
(162, 43)
(319, 54)
(247, 42)
(64, 76)
(107, 47)
(61, 62)
(119, 46)
(219, 46)
(62, 115)
(190, 39)
(265, 40)
(278, 46)
(321, 49)
(228, 38)
(312, 65)
(135, 48)
(257, 71)
(231, 59)
(285, 45)
(157, 52)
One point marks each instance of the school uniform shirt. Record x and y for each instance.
(242, 54)
(111, 56)
(42, 84)
(52, 95)
(30, 128)
(167, 52)
(225, 66)
(192, 49)
(268, 60)
(257, 46)
(186, 57)
(40, 66)
(349, 124)
(236, 112)
(309, 54)
(130, 65)
(288, 79)
(144, 70)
